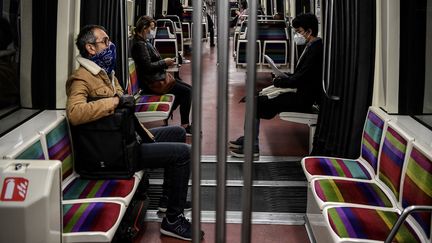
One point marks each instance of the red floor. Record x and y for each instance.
(260, 234)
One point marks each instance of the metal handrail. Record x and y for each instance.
(196, 120)
(405, 213)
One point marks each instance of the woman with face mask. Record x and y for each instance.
(306, 78)
(151, 67)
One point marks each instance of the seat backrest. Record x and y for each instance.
(186, 30)
(417, 184)
(166, 48)
(164, 33)
(59, 145)
(241, 52)
(277, 51)
(166, 23)
(30, 149)
(271, 31)
(392, 157)
(133, 86)
(372, 135)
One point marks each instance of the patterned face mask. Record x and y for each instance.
(106, 59)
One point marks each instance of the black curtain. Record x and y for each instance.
(111, 15)
(43, 68)
(341, 121)
(412, 57)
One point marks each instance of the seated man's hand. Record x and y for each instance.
(277, 82)
(169, 61)
(126, 101)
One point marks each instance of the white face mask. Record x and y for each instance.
(299, 39)
(152, 34)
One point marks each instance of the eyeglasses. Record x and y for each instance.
(106, 40)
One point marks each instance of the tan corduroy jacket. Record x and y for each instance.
(85, 84)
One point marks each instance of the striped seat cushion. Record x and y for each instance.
(361, 223)
(392, 159)
(82, 188)
(417, 186)
(344, 191)
(152, 107)
(371, 139)
(90, 217)
(336, 167)
(34, 151)
(154, 98)
(59, 147)
(133, 79)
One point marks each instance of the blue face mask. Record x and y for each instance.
(106, 59)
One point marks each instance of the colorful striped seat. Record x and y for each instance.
(364, 223)
(417, 184)
(277, 50)
(33, 151)
(155, 106)
(155, 98)
(85, 189)
(392, 159)
(365, 166)
(148, 107)
(59, 148)
(330, 191)
(347, 191)
(91, 222)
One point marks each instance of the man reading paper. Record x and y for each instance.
(306, 79)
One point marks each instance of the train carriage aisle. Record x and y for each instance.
(279, 202)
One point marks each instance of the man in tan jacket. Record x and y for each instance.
(93, 92)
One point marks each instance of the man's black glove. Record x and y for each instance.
(126, 101)
(278, 82)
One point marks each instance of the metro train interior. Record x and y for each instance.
(357, 167)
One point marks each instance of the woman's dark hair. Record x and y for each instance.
(306, 21)
(86, 36)
(143, 23)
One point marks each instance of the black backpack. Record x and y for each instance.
(132, 223)
(106, 148)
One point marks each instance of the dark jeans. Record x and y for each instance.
(183, 98)
(269, 108)
(171, 153)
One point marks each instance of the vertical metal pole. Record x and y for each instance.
(250, 121)
(293, 45)
(222, 121)
(196, 120)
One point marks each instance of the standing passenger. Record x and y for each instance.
(306, 79)
(94, 80)
(150, 66)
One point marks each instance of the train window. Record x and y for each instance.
(9, 56)
(415, 82)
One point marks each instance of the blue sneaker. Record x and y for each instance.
(180, 229)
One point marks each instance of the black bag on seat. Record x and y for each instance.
(106, 148)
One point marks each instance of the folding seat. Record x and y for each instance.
(372, 224)
(382, 190)
(365, 166)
